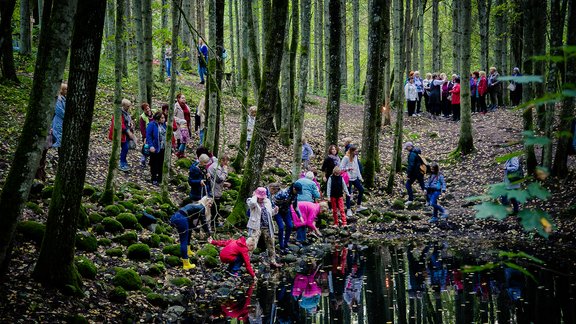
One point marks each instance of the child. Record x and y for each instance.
(250, 127)
(184, 136)
(336, 190)
(436, 186)
(307, 153)
(235, 253)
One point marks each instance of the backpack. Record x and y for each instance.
(516, 175)
(424, 165)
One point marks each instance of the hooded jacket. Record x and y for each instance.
(233, 249)
(414, 162)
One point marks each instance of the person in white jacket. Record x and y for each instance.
(260, 222)
(350, 164)
(411, 93)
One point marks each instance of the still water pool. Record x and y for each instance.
(403, 283)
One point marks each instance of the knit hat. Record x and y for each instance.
(260, 192)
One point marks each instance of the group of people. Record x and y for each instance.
(442, 95)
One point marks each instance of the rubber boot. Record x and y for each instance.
(190, 252)
(187, 265)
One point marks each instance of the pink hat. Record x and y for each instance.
(260, 192)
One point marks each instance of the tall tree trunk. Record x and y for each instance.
(265, 16)
(407, 38)
(305, 6)
(266, 101)
(176, 25)
(539, 66)
(356, 39)
(138, 28)
(201, 18)
(560, 168)
(238, 49)
(25, 28)
(318, 54)
(186, 38)
(148, 50)
(215, 73)
(435, 37)
(50, 63)
(55, 264)
(333, 102)
(385, 63)
(528, 40)
(109, 30)
(6, 53)
(456, 42)
(326, 25)
(466, 142)
(239, 161)
(343, 50)
(232, 50)
(286, 111)
(415, 32)
(193, 20)
(398, 92)
(293, 51)
(516, 24)
(371, 105)
(108, 193)
(253, 62)
(422, 9)
(484, 23)
(499, 29)
(164, 19)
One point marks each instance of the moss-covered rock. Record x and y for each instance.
(184, 163)
(210, 261)
(86, 242)
(34, 208)
(88, 190)
(166, 239)
(99, 229)
(156, 300)
(128, 220)
(126, 238)
(181, 282)
(398, 204)
(118, 295)
(114, 252)
(76, 319)
(83, 221)
(172, 260)
(153, 241)
(32, 230)
(129, 205)
(85, 267)
(47, 192)
(95, 217)
(104, 242)
(278, 171)
(173, 249)
(208, 250)
(234, 181)
(168, 209)
(111, 225)
(229, 195)
(139, 251)
(112, 210)
(138, 198)
(156, 269)
(127, 279)
(160, 214)
(152, 201)
(149, 281)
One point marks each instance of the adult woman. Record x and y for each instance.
(482, 92)
(127, 134)
(418, 82)
(446, 100)
(156, 140)
(187, 219)
(309, 212)
(426, 84)
(411, 93)
(474, 94)
(434, 96)
(515, 88)
(181, 116)
(330, 161)
(350, 164)
(455, 92)
(145, 117)
(201, 112)
(260, 221)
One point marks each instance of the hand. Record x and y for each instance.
(210, 239)
(152, 149)
(276, 209)
(202, 183)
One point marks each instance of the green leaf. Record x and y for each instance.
(530, 139)
(531, 219)
(548, 58)
(569, 93)
(520, 195)
(530, 257)
(522, 79)
(479, 268)
(548, 98)
(513, 255)
(538, 191)
(489, 209)
(504, 158)
(497, 190)
(521, 269)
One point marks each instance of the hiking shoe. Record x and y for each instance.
(124, 168)
(433, 220)
(349, 213)
(408, 202)
(444, 214)
(360, 208)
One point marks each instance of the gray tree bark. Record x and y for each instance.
(286, 111)
(25, 28)
(385, 63)
(305, 6)
(8, 68)
(422, 9)
(238, 49)
(326, 66)
(466, 141)
(334, 50)
(231, 48)
(318, 45)
(293, 51)
(356, 44)
(240, 158)
(253, 62)
(343, 51)
(109, 29)
(187, 41)
(126, 53)
(414, 34)
(164, 21)
(50, 63)
(484, 24)
(139, 29)
(55, 265)
(148, 50)
(539, 48)
(435, 37)
(201, 18)
(456, 41)
(529, 18)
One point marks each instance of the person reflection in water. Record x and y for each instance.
(353, 286)
(235, 307)
(306, 290)
(336, 281)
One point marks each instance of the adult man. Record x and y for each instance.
(198, 178)
(494, 89)
(202, 59)
(413, 170)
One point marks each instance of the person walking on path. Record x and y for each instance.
(156, 140)
(260, 221)
(235, 254)
(350, 164)
(307, 153)
(413, 170)
(128, 135)
(435, 186)
(336, 190)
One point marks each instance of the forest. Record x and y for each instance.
(302, 161)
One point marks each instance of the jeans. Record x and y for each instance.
(180, 222)
(124, 153)
(235, 266)
(168, 67)
(202, 72)
(301, 234)
(411, 178)
(358, 184)
(284, 221)
(201, 134)
(433, 199)
(156, 164)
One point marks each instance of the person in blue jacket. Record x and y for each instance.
(413, 170)
(202, 59)
(155, 144)
(198, 178)
(435, 186)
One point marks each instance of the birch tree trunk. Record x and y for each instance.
(138, 27)
(108, 194)
(334, 51)
(239, 161)
(435, 37)
(238, 49)
(25, 28)
(398, 92)
(266, 101)
(109, 29)
(343, 50)
(356, 39)
(371, 105)
(326, 47)
(407, 38)
(55, 265)
(422, 9)
(52, 53)
(148, 50)
(466, 142)
(293, 51)
(456, 41)
(305, 12)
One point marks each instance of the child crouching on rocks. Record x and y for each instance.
(235, 254)
(435, 186)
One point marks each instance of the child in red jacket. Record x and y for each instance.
(235, 253)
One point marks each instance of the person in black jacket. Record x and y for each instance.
(413, 170)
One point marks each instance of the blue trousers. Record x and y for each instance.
(124, 153)
(358, 184)
(301, 234)
(168, 66)
(202, 72)
(235, 266)
(410, 181)
(180, 222)
(433, 198)
(285, 225)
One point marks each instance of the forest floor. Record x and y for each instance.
(23, 300)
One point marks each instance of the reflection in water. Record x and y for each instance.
(418, 283)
